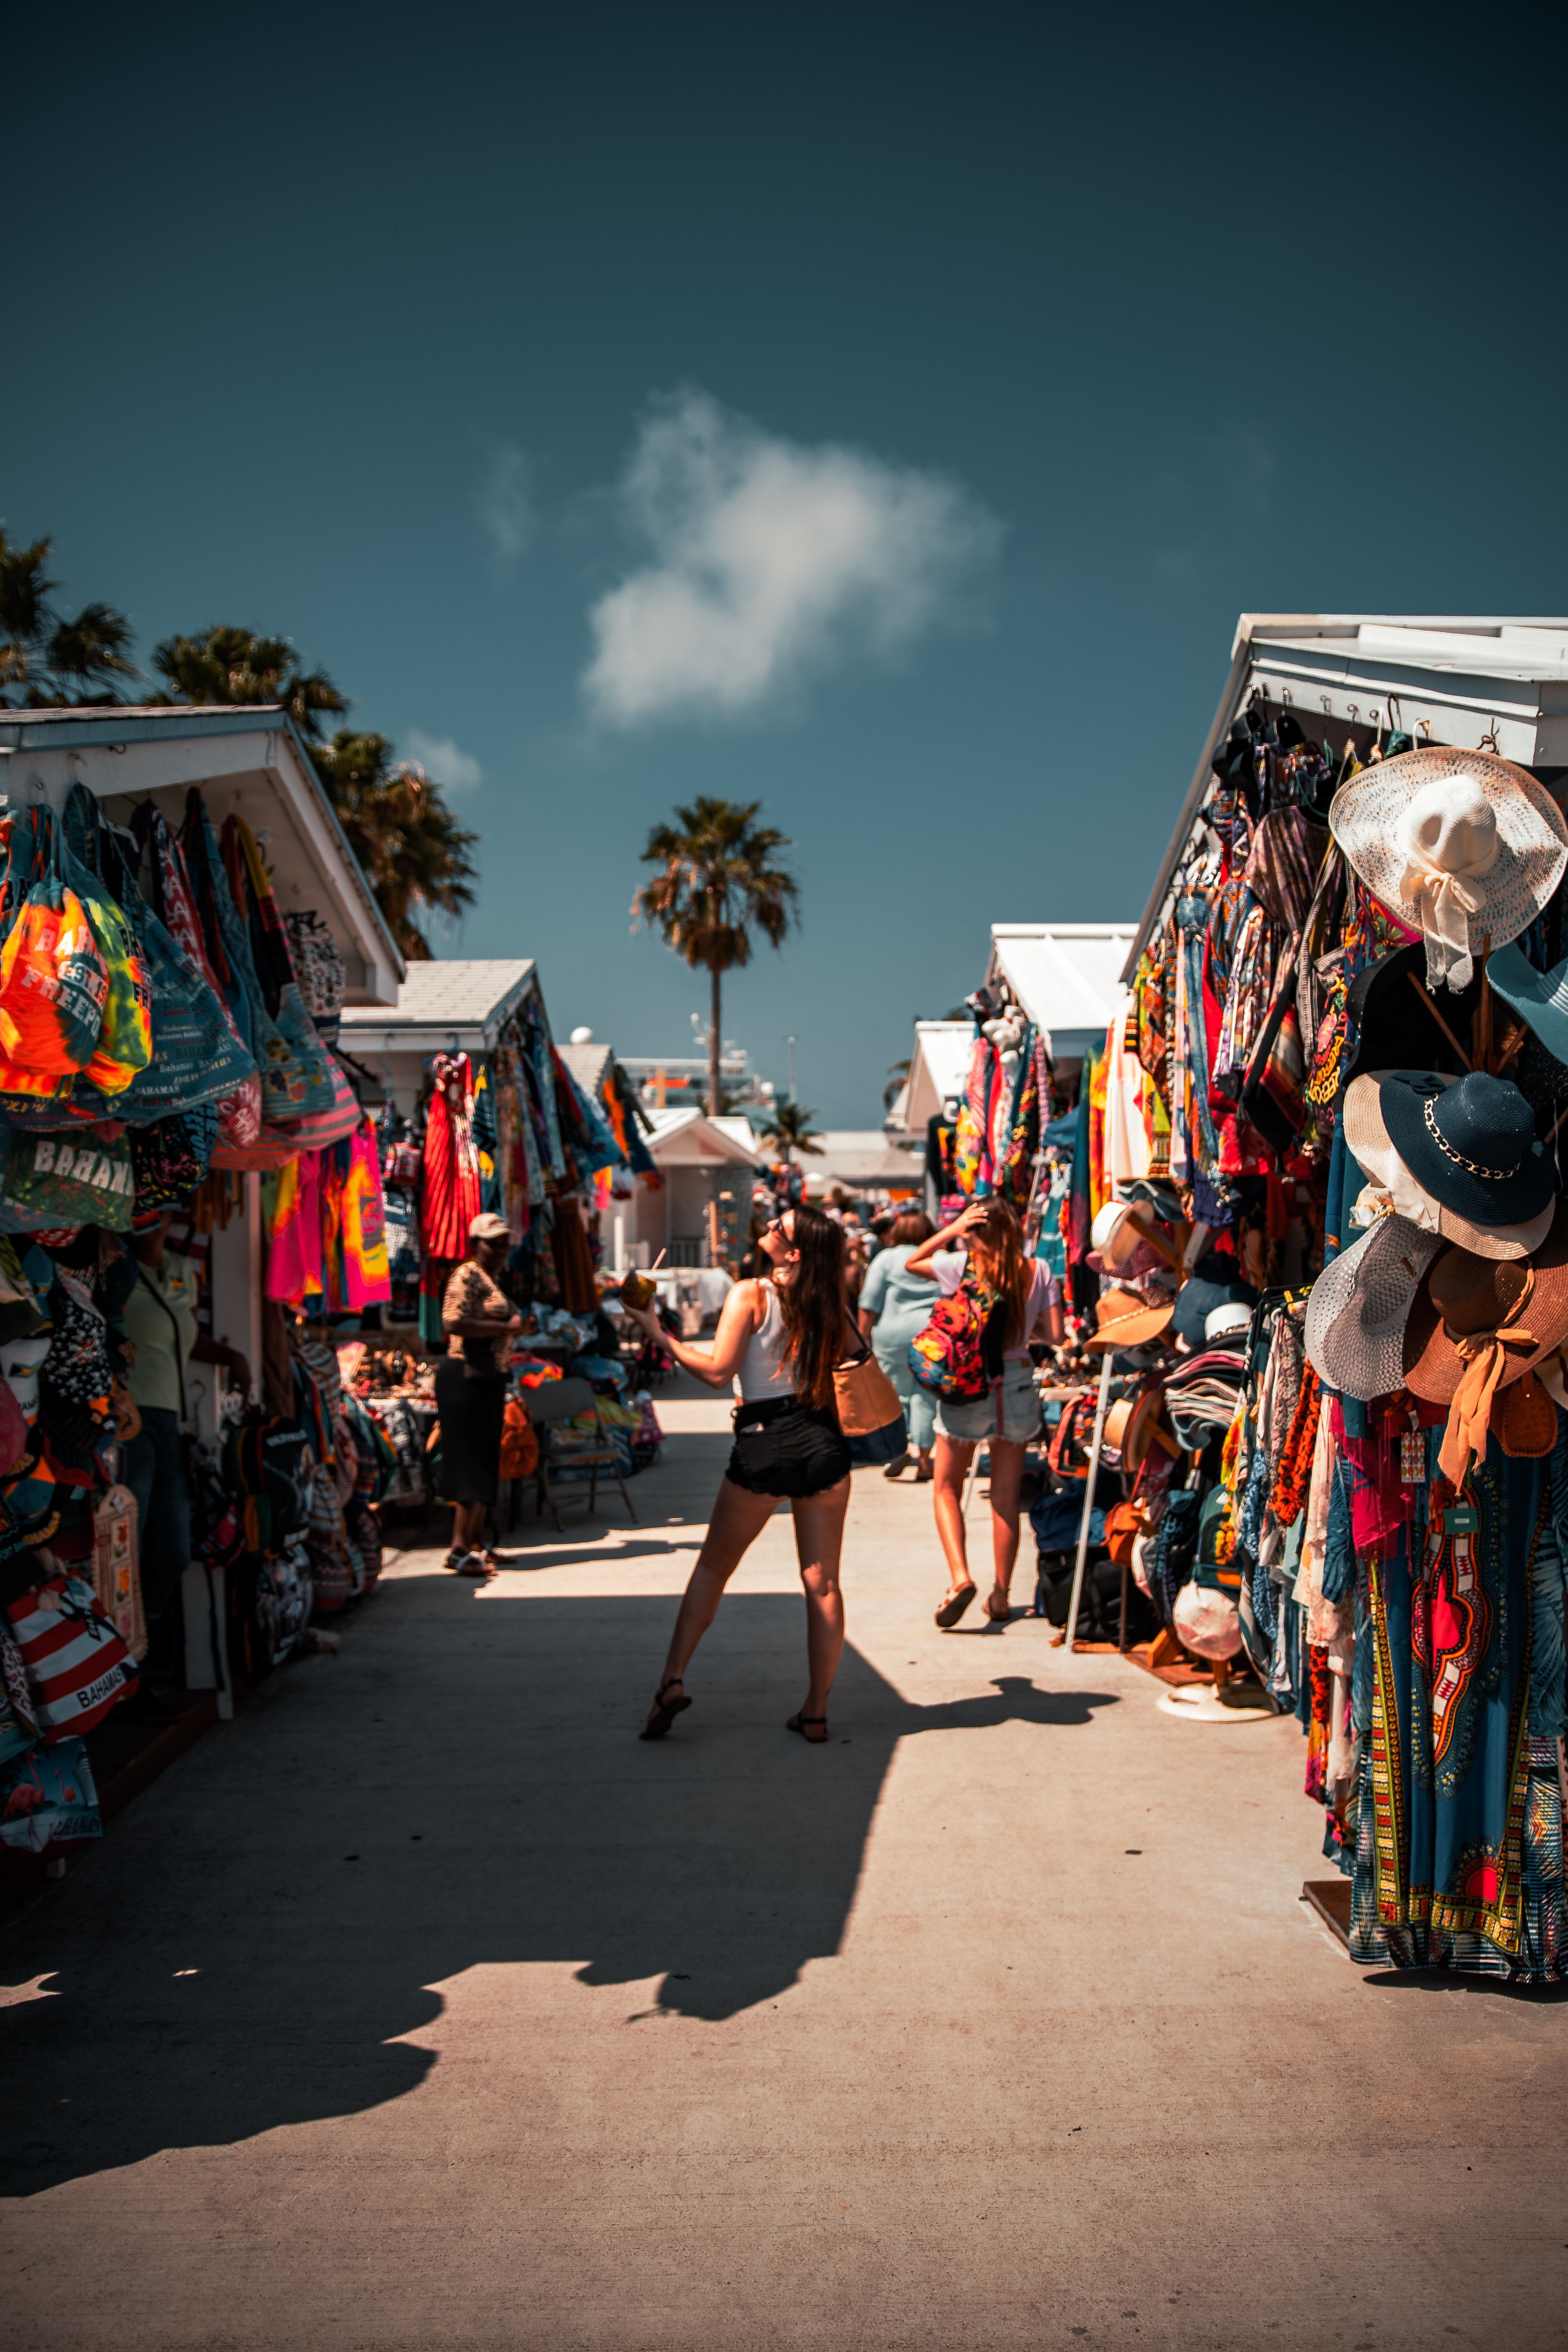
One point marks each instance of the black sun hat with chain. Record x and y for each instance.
(1472, 1146)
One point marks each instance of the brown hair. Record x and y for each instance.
(812, 1304)
(910, 1225)
(996, 1251)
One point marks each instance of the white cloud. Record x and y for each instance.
(444, 762)
(771, 561)
(504, 501)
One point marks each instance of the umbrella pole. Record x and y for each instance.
(1088, 1500)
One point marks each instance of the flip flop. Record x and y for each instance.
(813, 1738)
(953, 1607)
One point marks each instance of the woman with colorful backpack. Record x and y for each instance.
(779, 1341)
(974, 1355)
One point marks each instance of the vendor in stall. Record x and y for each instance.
(162, 1338)
(480, 1324)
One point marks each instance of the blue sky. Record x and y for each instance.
(881, 412)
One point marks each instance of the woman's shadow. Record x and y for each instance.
(256, 1935)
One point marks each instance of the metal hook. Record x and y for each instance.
(1489, 742)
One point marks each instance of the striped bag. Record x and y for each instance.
(77, 1664)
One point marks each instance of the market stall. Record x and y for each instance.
(1318, 1191)
(181, 1487)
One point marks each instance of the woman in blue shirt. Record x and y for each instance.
(893, 1310)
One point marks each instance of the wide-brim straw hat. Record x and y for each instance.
(1463, 1297)
(1359, 1308)
(1125, 1318)
(1370, 1145)
(1367, 817)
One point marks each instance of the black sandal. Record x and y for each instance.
(811, 1739)
(665, 1710)
(953, 1607)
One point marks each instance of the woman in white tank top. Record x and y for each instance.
(777, 1341)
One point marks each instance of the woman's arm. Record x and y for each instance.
(717, 1365)
(866, 1322)
(947, 1238)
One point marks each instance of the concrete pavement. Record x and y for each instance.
(423, 2006)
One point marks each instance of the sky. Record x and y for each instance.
(879, 413)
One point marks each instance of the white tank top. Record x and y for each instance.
(764, 1372)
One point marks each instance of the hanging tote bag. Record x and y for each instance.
(50, 1181)
(274, 967)
(53, 984)
(869, 1412)
(77, 1666)
(239, 1113)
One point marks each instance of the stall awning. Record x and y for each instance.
(456, 1005)
(1067, 977)
(246, 758)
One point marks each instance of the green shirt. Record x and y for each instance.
(154, 1376)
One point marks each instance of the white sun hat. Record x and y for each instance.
(1461, 844)
(1360, 1304)
(1367, 1141)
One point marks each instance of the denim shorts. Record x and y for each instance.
(1020, 1412)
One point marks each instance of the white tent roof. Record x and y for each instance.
(689, 1138)
(1067, 977)
(939, 1069)
(459, 1003)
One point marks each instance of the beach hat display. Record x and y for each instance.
(1467, 1301)
(1125, 1318)
(1131, 1424)
(1462, 846)
(1479, 1327)
(1368, 1143)
(1361, 1306)
(1213, 1284)
(1470, 1144)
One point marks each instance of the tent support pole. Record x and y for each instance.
(1088, 1501)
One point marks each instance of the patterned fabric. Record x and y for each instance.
(1459, 1857)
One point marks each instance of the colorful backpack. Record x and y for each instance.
(958, 1356)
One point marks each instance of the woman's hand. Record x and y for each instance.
(514, 1324)
(966, 1221)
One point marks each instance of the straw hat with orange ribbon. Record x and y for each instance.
(1478, 1326)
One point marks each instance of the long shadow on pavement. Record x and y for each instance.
(244, 1952)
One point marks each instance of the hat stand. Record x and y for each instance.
(1089, 1485)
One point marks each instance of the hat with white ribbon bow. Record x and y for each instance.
(1460, 844)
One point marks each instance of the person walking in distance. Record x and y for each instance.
(985, 1246)
(778, 1340)
(893, 1306)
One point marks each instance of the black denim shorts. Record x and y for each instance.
(788, 1448)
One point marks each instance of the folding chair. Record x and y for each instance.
(558, 1401)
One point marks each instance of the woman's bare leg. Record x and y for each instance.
(738, 1520)
(1006, 1478)
(947, 1497)
(818, 1542)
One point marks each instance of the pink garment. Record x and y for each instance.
(291, 1210)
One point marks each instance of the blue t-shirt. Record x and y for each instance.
(902, 1303)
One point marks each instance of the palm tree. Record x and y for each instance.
(789, 1126)
(47, 660)
(898, 1077)
(718, 878)
(230, 665)
(414, 850)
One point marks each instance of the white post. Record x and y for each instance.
(620, 1244)
(1088, 1500)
